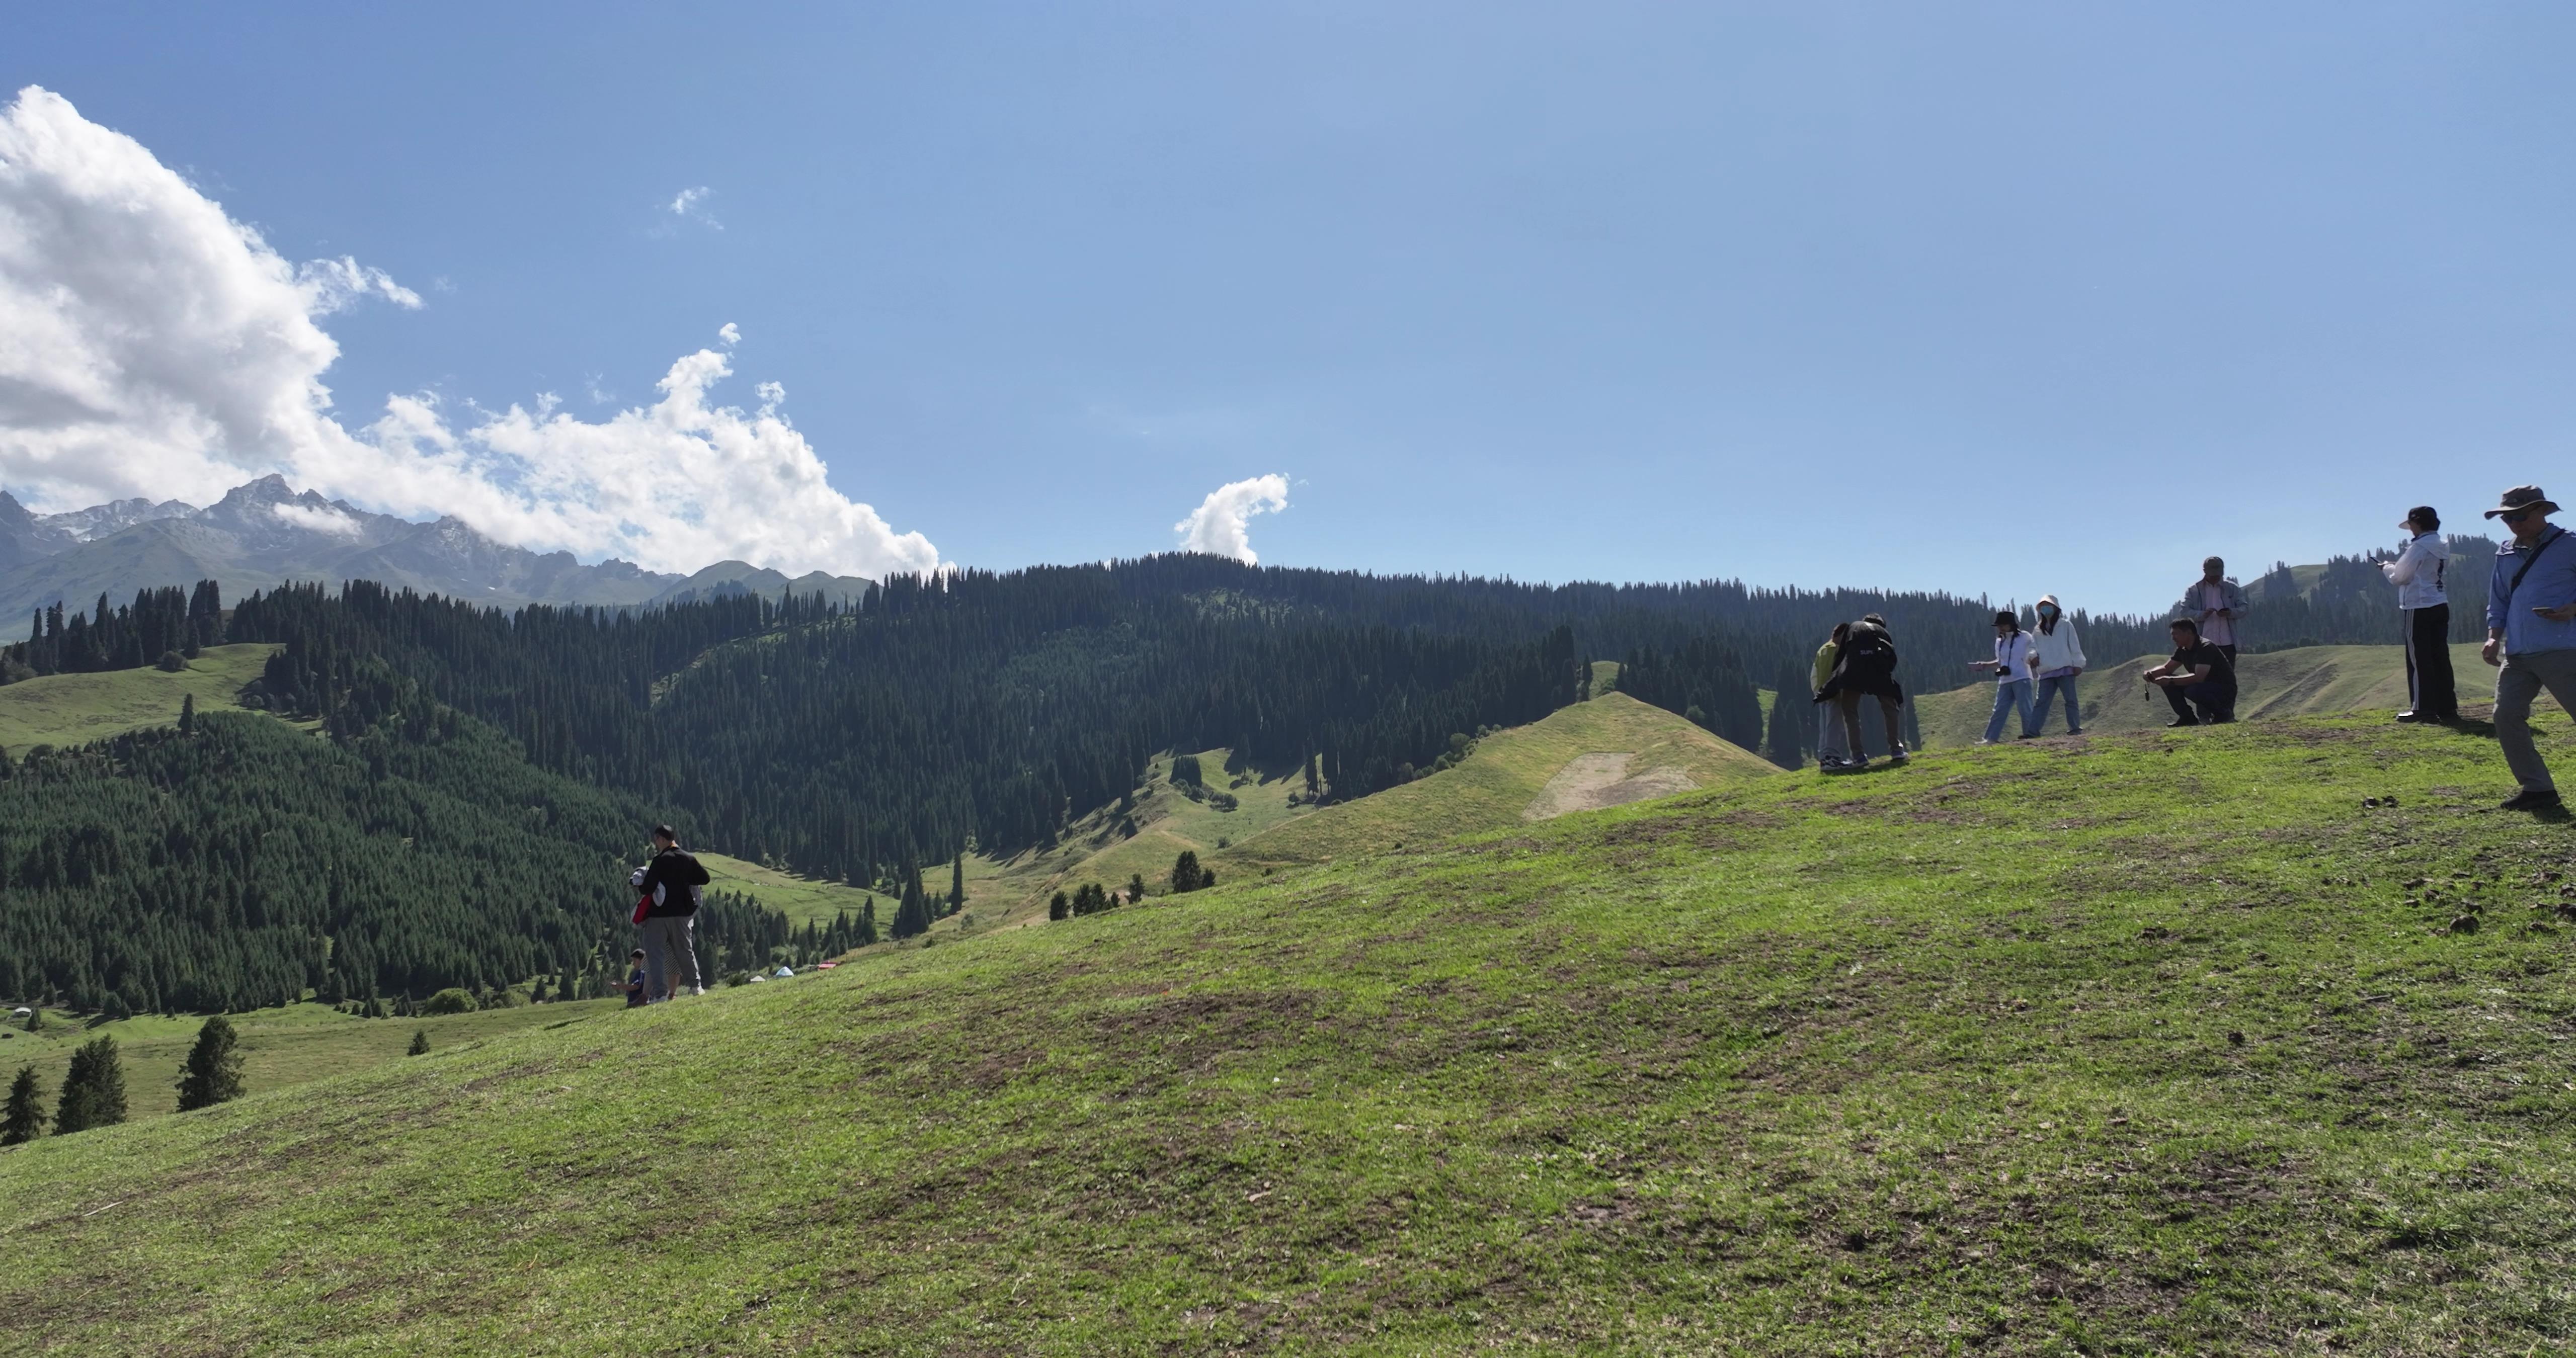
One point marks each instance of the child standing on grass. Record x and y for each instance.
(634, 986)
(1832, 750)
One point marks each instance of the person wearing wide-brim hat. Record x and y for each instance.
(2531, 635)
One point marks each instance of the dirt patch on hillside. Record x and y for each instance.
(1589, 782)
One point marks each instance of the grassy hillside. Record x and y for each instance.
(74, 709)
(2308, 680)
(1610, 750)
(2164, 1043)
(281, 1048)
(802, 899)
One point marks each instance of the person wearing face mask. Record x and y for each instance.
(2057, 656)
(2417, 572)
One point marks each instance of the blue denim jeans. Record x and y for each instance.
(2010, 694)
(2047, 693)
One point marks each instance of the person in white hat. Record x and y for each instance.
(2531, 636)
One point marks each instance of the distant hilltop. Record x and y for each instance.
(266, 533)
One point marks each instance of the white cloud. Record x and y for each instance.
(690, 206)
(319, 519)
(152, 346)
(1217, 525)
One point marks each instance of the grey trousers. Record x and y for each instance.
(2520, 681)
(1830, 742)
(670, 956)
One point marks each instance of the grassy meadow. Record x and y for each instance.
(280, 1047)
(802, 899)
(2232, 1041)
(74, 709)
(2303, 681)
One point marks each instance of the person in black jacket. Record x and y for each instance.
(1866, 666)
(671, 883)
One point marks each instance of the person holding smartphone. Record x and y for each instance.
(2531, 636)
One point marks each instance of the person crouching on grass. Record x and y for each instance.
(2198, 675)
(633, 987)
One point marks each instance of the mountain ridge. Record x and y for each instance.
(264, 533)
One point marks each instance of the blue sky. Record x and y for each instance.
(1997, 299)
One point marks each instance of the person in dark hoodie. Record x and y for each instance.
(1866, 667)
(671, 883)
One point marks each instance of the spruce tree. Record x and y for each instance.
(213, 1073)
(187, 713)
(419, 1042)
(1060, 907)
(1185, 872)
(25, 1119)
(1135, 887)
(957, 884)
(93, 1090)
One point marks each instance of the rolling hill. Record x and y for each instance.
(2013, 1051)
(74, 709)
(2307, 680)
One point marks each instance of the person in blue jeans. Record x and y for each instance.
(2012, 676)
(2057, 657)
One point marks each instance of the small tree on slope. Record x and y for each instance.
(25, 1119)
(213, 1073)
(93, 1090)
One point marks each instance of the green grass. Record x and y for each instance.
(1502, 784)
(281, 1047)
(2305, 681)
(2162, 1043)
(74, 709)
(801, 899)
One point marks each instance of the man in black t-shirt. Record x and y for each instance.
(2199, 675)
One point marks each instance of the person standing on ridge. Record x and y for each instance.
(2197, 674)
(1832, 750)
(671, 884)
(2531, 634)
(2426, 606)
(1866, 665)
(2214, 603)
(2012, 676)
(2057, 656)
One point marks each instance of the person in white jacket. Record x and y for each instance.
(2431, 693)
(2056, 656)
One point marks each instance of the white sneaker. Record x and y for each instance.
(698, 990)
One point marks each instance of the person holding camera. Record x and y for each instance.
(2431, 695)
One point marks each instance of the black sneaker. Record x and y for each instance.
(2184, 721)
(2412, 716)
(1898, 757)
(2531, 799)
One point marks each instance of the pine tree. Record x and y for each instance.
(912, 913)
(1135, 887)
(1060, 907)
(1186, 872)
(1792, 712)
(957, 885)
(868, 922)
(419, 1042)
(25, 1119)
(213, 1073)
(93, 1090)
(187, 713)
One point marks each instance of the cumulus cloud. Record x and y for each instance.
(1217, 526)
(152, 346)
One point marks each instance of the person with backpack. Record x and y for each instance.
(2012, 677)
(1832, 750)
(671, 885)
(2531, 636)
(2426, 606)
(2198, 675)
(2056, 657)
(1866, 667)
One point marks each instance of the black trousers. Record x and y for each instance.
(2430, 690)
(2216, 704)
